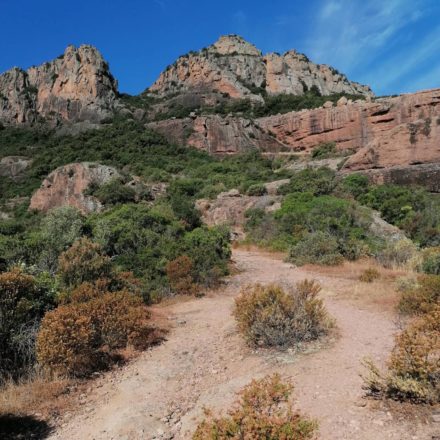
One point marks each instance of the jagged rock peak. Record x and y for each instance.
(76, 86)
(234, 68)
(234, 45)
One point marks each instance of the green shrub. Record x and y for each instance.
(268, 316)
(319, 182)
(209, 249)
(256, 190)
(392, 201)
(83, 261)
(356, 185)
(324, 151)
(263, 411)
(316, 248)
(430, 261)
(114, 192)
(59, 229)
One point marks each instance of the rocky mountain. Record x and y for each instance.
(400, 133)
(234, 68)
(391, 139)
(76, 86)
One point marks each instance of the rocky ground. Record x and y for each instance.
(204, 362)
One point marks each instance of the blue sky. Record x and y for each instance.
(392, 45)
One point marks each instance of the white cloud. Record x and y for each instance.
(351, 32)
(404, 64)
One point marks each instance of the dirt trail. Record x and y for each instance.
(204, 362)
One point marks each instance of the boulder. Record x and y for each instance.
(14, 166)
(67, 185)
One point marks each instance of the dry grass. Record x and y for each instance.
(251, 247)
(37, 394)
(381, 294)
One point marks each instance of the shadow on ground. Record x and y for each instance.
(13, 427)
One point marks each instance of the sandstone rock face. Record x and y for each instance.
(235, 68)
(387, 132)
(13, 166)
(17, 98)
(66, 186)
(216, 135)
(76, 86)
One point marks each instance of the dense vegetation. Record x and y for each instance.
(324, 219)
(128, 146)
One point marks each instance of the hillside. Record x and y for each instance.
(246, 215)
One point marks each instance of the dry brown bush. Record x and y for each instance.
(369, 275)
(79, 338)
(414, 366)
(179, 273)
(268, 316)
(422, 297)
(263, 411)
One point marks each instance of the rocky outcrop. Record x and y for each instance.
(382, 229)
(229, 209)
(425, 175)
(14, 166)
(234, 68)
(216, 134)
(399, 131)
(77, 86)
(67, 186)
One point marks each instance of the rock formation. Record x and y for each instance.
(14, 166)
(385, 132)
(234, 68)
(77, 86)
(229, 209)
(399, 131)
(67, 186)
(215, 134)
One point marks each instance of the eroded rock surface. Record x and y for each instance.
(14, 166)
(237, 69)
(229, 209)
(387, 132)
(76, 86)
(216, 134)
(67, 186)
